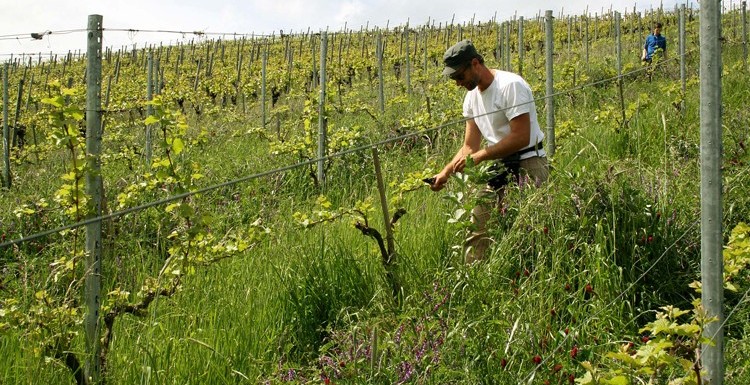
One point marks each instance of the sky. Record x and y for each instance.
(62, 23)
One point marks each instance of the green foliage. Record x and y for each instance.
(669, 352)
(52, 319)
(361, 211)
(612, 113)
(576, 268)
(304, 146)
(65, 121)
(736, 259)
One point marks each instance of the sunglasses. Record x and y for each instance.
(459, 75)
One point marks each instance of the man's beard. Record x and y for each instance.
(471, 85)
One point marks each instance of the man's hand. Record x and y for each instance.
(460, 164)
(439, 182)
(474, 159)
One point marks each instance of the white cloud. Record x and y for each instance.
(349, 10)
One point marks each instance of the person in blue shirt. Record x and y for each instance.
(654, 41)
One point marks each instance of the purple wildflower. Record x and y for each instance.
(420, 351)
(442, 301)
(397, 338)
(290, 375)
(405, 372)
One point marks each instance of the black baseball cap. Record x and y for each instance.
(458, 56)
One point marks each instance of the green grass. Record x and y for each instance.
(577, 265)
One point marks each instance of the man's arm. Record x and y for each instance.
(472, 142)
(519, 137)
(520, 133)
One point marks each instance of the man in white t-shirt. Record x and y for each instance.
(500, 109)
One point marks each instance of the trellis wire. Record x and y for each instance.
(300, 164)
(322, 57)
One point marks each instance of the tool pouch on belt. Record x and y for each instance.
(509, 167)
(506, 169)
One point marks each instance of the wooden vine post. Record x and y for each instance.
(389, 255)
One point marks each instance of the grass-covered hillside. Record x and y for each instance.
(226, 259)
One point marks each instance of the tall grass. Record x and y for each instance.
(576, 267)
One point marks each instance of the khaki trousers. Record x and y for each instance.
(533, 171)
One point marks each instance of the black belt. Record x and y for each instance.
(535, 147)
(510, 165)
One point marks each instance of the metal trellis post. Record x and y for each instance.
(408, 61)
(712, 261)
(94, 190)
(322, 126)
(381, 80)
(264, 63)
(744, 34)
(520, 45)
(6, 131)
(150, 108)
(587, 40)
(683, 45)
(549, 100)
(508, 29)
(618, 49)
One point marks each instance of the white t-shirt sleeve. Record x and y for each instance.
(467, 111)
(516, 98)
